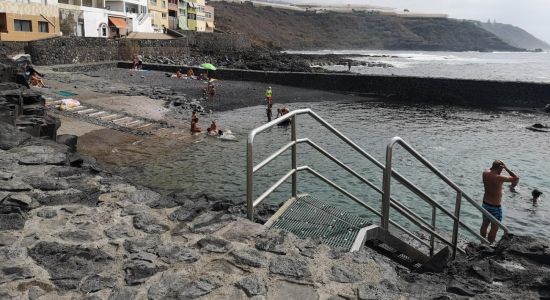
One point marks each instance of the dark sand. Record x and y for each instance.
(229, 94)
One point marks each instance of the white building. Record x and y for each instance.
(134, 11)
(103, 18)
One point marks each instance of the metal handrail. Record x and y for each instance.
(389, 173)
(387, 200)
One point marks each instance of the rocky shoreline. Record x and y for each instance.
(71, 230)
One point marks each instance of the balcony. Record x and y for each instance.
(172, 6)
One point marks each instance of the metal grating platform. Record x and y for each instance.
(309, 217)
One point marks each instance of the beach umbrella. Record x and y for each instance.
(208, 66)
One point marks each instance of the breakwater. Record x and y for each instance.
(479, 93)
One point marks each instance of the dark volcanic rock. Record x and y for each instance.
(174, 253)
(68, 264)
(8, 274)
(119, 231)
(382, 290)
(173, 286)
(96, 283)
(11, 137)
(290, 267)
(14, 185)
(212, 244)
(210, 222)
(47, 213)
(537, 250)
(47, 183)
(252, 285)
(69, 196)
(12, 218)
(343, 274)
(250, 257)
(41, 155)
(147, 244)
(122, 293)
(140, 267)
(185, 214)
(149, 223)
(273, 242)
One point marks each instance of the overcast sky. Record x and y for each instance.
(531, 15)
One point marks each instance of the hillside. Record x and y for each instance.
(514, 36)
(298, 30)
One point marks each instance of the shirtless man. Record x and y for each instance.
(492, 198)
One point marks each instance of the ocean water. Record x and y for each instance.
(508, 66)
(461, 142)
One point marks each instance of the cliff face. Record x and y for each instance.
(306, 30)
(514, 36)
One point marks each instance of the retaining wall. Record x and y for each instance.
(480, 93)
(73, 50)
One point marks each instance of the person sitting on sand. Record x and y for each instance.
(282, 111)
(194, 126)
(135, 63)
(179, 74)
(190, 73)
(36, 80)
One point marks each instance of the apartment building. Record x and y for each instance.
(195, 15)
(25, 20)
(89, 18)
(182, 16)
(209, 18)
(158, 10)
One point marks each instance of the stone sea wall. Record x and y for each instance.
(71, 50)
(481, 93)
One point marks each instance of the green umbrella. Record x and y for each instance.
(208, 67)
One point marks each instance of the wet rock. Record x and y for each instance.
(47, 183)
(289, 290)
(273, 241)
(212, 244)
(250, 257)
(122, 293)
(119, 231)
(139, 267)
(68, 264)
(147, 244)
(8, 274)
(41, 155)
(184, 214)
(252, 285)
(149, 223)
(209, 222)
(14, 185)
(96, 283)
(47, 213)
(174, 253)
(173, 286)
(290, 267)
(343, 275)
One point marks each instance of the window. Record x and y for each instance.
(164, 15)
(22, 25)
(208, 15)
(154, 2)
(163, 4)
(45, 2)
(43, 27)
(88, 3)
(191, 16)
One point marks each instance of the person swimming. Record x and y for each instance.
(536, 194)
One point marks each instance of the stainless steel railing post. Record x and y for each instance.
(294, 152)
(249, 181)
(432, 240)
(456, 222)
(386, 182)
